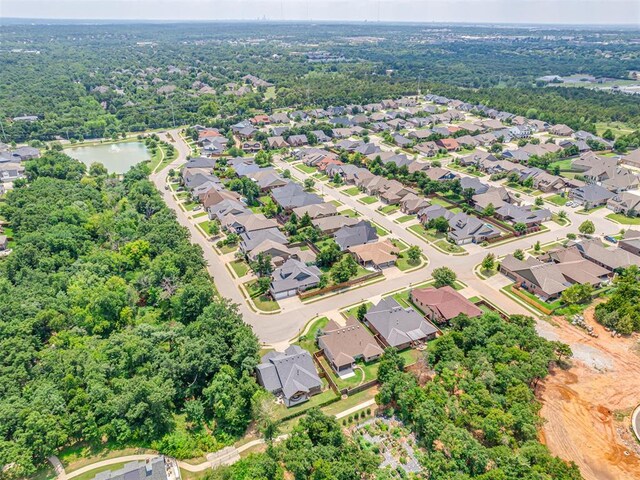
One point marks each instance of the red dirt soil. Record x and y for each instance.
(579, 404)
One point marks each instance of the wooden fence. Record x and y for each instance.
(530, 301)
(333, 288)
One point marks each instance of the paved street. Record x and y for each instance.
(278, 329)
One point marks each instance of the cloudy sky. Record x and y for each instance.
(470, 11)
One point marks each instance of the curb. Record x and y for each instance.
(635, 422)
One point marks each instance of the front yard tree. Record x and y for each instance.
(467, 195)
(328, 254)
(519, 254)
(262, 264)
(444, 276)
(309, 183)
(519, 227)
(441, 224)
(587, 228)
(489, 262)
(343, 270)
(362, 311)
(413, 254)
(337, 179)
(539, 202)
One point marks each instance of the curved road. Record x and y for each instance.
(635, 422)
(278, 329)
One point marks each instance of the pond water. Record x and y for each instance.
(117, 157)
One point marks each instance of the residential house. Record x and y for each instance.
(317, 210)
(321, 137)
(290, 374)
(293, 277)
(476, 157)
(526, 215)
(440, 174)
(344, 345)
(397, 326)
(466, 229)
(627, 203)
(610, 258)
(590, 195)
(441, 305)
(429, 149)
(494, 196)
(277, 142)
(250, 240)
(449, 144)
(474, 184)
(630, 242)
(376, 255)
(420, 135)
(358, 234)
(226, 207)
(298, 140)
(632, 158)
(542, 279)
(247, 222)
(156, 468)
(293, 196)
(213, 197)
(333, 223)
(251, 146)
(432, 212)
(561, 130)
(412, 204)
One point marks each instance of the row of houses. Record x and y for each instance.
(292, 374)
(585, 261)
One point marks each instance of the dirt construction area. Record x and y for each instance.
(587, 408)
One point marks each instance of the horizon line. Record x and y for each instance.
(15, 20)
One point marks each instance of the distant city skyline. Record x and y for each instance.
(567, 12)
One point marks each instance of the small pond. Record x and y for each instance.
(116, 157)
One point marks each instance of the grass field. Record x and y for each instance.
(623, 219)
(403, 263)
(405, 218)
(449, 247)
(308, 340)
(389, 209)
(351, 191)
(368, 200)
(430, 235)
(240, 267)
(262, 301)
(349, 213)
(557, 200)
(305, 168)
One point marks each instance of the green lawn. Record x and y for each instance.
(336, 203)
(564, 165)
(380, 230)
(557, 200)
(623, 219)
(270, 93)
(449, 247)
(439, 201)
(228, 248)
(308, 340)
(368, 200)
(305, 168)
(399, 244)
(403, 263)
(240, 267)
(351, 312)
(389, 209)
(351, 191)
(349, 213)
(538, 301)
(199, 215)
(281, 411)
(430, 235)
(262, 301)
(560, 221)
(320, 176)
(405, 218)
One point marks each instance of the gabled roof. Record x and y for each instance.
(358, 234)
(342, 344)
(293, 274)
(293, 195)
(291, 371)
(446, 301)
(398, 325)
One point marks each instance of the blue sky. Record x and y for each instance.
(470, 11)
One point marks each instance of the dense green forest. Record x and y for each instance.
(109, 323)
(97, 81)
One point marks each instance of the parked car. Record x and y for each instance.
(609, 238)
